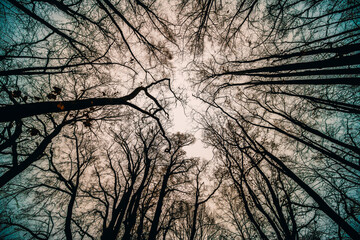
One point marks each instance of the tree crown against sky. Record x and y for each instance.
(88, 92)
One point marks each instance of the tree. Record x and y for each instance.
(200, 200)
(178, 165)
(290, 91)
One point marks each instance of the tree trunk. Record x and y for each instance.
(156, 219)
(68, 232)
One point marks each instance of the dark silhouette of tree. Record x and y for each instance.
(288, 102)
(255, 149)
(200, 200)
(178, 164)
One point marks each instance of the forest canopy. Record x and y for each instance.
(88, 147)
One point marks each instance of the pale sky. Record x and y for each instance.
(183, 123)
(180, 115)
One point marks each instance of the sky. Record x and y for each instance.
(183, 122)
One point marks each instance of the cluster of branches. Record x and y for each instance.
(129, 189)
(284, 121)
(59, 57)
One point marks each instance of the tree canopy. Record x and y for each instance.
(88, 91)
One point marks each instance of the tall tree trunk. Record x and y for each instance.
(156, 219)
(68, 232)
(193, 225)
